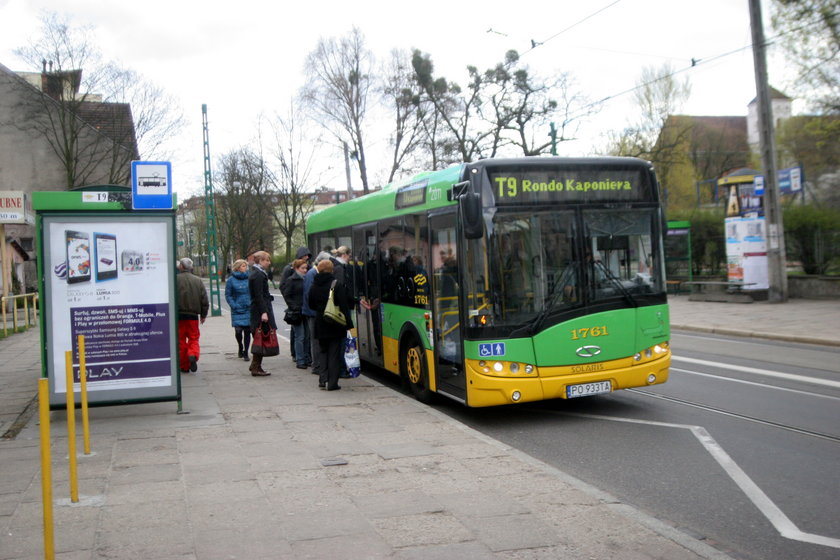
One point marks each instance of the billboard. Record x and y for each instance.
(111, 279)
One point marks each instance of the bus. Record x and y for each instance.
(510, 280)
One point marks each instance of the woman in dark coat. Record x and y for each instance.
(261, 308)
(238, 297)
(330, 335)
(293, 294)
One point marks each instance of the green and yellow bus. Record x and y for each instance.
(510, 280)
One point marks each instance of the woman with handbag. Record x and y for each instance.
(293, 294)
(332, 321)
(238, 297)
(262, 313)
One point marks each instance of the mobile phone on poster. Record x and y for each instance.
(105, 251)
(78, 256)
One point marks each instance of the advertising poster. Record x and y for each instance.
(111, 281)
(746, 252)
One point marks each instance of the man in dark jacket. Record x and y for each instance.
(193, 306)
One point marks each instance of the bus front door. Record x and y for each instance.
(368, 312)
(449, 369)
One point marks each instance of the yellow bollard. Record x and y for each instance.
(83, 383)
(71, 426)
(46, 467)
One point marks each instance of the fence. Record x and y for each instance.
(30, 311)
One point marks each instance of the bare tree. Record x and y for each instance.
(244, 219)
(295, 156)
(158, 118)
(85, 108)
(519, 105)
(339, 80)
(658, 95)
(399, 92)
(456, 109)
(71, 75)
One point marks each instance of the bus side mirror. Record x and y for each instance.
(471, 219)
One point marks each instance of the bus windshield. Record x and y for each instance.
(543, 264)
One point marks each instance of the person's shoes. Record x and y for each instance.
(336, 388)
(245, 357)
(193, 363)
(322, 386)
(302, 366)
(344, 376)
(260, 373)
(240, 353)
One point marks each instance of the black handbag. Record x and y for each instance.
(292, 317)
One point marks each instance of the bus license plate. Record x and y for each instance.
(587, 389)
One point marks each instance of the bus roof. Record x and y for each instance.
(429, 190)
(379, 204)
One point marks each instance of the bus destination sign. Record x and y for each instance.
(538, 186)
(410, 195)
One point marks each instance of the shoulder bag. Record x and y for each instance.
(265, 341)
(331, 312)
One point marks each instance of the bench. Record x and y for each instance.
(673, 286)
(718, 290)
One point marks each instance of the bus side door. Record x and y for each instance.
(367, 267)
(449, 370)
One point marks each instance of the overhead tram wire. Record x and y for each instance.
(695, 62)
(535, 44)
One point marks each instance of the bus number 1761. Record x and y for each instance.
(587, 332)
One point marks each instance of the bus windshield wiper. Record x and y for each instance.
(615, 281)
(534, 325)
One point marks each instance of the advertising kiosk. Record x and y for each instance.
(106, 270)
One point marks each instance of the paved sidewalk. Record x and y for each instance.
(250, 472)
(807, 321)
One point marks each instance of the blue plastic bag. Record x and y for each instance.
(351, 357)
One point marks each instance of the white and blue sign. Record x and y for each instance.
(790, 180)
(490, 349)
(151, 185)
(759, 185)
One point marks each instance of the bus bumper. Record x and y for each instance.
(552, 382)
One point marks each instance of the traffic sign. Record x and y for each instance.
(151, 185)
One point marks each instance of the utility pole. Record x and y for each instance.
(553, 135)
(777, 274)
(347, 171)
(210, 212)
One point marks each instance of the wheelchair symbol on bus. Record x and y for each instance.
(488, 349)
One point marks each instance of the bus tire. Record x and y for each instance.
(414, 370)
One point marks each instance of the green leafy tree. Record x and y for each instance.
(809, 32)
(811, 235)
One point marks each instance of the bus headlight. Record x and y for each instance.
(529, 368)
(514, 367)
(651, 379)
(515, 396)
(498, 366)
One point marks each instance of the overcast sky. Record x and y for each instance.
(246, 57)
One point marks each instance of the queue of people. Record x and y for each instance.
(305, 284)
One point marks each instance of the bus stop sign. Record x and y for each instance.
(151, 185)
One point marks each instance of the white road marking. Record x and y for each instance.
(764, 372)
(765, 505)
(763, 385)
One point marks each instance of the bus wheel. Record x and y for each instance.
(415, 372)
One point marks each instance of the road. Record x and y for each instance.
(740, 447)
